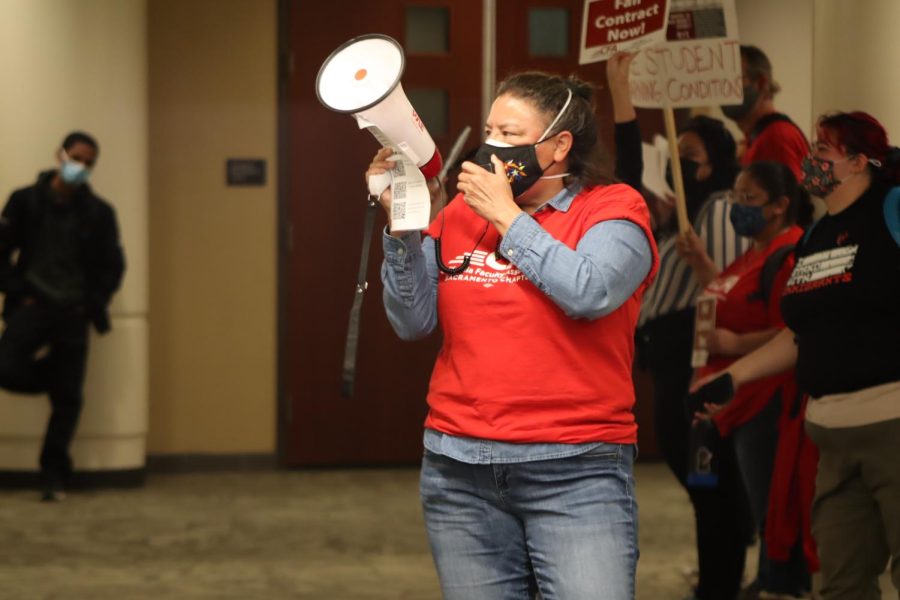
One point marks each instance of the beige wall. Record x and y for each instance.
(856, 59)
(82, 65)
(212, 92)
(784, 31)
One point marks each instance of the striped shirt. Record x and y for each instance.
(675, 287)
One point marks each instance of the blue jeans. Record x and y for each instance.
(569, 524)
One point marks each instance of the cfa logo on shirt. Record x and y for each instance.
(486, 269)
(481, 258)
(822, 269)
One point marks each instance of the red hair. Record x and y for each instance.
(860, 133)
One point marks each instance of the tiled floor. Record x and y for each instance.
(337, 535)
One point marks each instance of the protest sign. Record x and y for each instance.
(611, 26)
(699, 64)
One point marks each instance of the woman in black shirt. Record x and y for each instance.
(841, 310)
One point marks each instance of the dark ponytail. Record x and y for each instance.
(589, 163)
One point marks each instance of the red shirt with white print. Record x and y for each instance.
(740, 309)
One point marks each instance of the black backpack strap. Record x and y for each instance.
(769, 271)
(765, 122)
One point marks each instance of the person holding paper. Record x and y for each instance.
(535, 272)
(840, 308)
(771, 209)
(665, 334)
(769, 134)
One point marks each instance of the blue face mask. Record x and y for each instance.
(747, 221)
(74, 173)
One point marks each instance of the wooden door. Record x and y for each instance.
(323, 156)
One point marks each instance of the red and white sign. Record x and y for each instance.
(699, 64)
(611, 26)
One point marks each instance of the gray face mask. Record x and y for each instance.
(739, 111)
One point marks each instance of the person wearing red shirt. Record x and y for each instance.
(770, 208)
(768, 134)
(535, 272)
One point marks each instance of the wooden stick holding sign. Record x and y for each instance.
(678, 182)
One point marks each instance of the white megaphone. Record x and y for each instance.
(362, 78)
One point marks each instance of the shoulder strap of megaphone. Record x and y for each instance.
(348, 373)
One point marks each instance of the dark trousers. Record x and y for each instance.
(60, 374)
(755, 444)
(723, 521)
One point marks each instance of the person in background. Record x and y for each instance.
(530, 434)
(771, 209)
(665, 332)
(768, 134)
(840, 308)
(60, 263)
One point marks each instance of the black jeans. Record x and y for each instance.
(60, 374)
(724, 525)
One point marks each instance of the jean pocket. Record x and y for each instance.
(604, 451)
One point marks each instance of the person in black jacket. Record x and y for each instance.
(60, 263)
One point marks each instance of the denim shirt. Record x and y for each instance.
(607, 266)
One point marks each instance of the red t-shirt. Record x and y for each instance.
(513, 367)
(781, 142)
(740, 311)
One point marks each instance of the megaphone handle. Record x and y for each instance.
(379, 183)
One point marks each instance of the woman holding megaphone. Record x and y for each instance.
(535, 272)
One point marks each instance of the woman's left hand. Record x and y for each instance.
(489, 194)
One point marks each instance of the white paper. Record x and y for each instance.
(410, 199)
(704, 323)
(699, 64)
(656, 157)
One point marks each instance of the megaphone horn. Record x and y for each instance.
(362, 78)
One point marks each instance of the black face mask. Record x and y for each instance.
(520, 162)
(739, 111)
(688, 176)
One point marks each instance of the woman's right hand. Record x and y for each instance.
(692, 250)
(618, 67)
(736, 379)
(379, 166)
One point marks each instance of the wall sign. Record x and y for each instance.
(245, 171)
